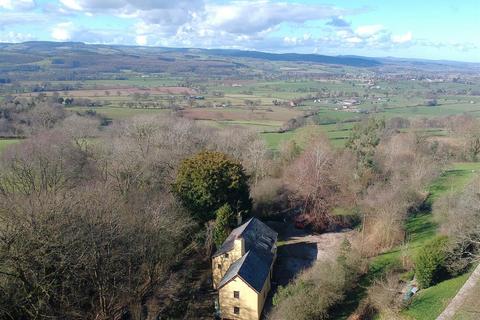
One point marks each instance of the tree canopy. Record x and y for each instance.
(364, 139)
(208, 180)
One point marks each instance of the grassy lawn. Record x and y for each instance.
(4, 143)
(454, 179)
(430, 302)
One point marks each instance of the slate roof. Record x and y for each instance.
(256, 234)
(252, 268)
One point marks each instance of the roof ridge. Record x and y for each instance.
(251, 231)
(252, 268)
(231, 273)
(243, 226)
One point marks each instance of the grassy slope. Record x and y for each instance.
(337, 133)
(429, 303)
(421, 227)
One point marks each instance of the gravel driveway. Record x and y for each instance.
(298, 249)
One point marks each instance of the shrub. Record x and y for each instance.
(363, 140)
(430, 262)
(383, 297)
(459, 217)
(312, 294)
(311, 180)
(270, 197)
(224, 220)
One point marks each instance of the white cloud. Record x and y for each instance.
(14, 37)
(374, 36)
(407, 37)
(338, 22)
(354, 40)
(89, 5)
(188, 19)
(255, 16)
(164, 16)
(72, 4)
(17, 4)
(62, 31)
(242, 24)
(368, 31)
(141, 40)
(8, 19)
(130, 7)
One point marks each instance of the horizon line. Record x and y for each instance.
(244, 50)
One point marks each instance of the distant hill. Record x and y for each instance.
(45, 46)
(297, 57)
(47, 61)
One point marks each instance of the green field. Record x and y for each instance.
(119, 113)
(4, 143)
(446, 109)
(336, 133)
(136, 81)
(386, 99)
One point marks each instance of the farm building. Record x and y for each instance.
(350, 102)
(242, 270)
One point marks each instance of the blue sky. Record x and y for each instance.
(412, 29)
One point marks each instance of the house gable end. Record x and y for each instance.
(243, 280)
